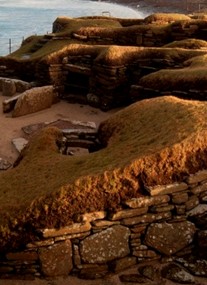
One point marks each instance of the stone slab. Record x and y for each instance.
(56, 260)
(167, 189)
(147, 201)
(127, 213)
(197, 177)
(69, 230)
(106, 246)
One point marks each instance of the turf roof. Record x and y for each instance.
(142, 147)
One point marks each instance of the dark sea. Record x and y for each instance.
(22, 18)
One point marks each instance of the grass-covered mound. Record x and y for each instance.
(155, 141)
(188, 44)
(161, 18)
(183, 79)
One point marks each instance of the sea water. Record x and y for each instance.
(22, 18)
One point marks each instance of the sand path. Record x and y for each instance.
(10, 128)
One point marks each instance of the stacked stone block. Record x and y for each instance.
(169, 221)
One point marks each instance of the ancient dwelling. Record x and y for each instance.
(109, 62)
(140, 198)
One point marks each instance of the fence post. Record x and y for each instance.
(9, 45)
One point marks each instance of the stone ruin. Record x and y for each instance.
(87, 77)
(166, 226)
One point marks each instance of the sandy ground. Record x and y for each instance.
(11, 127)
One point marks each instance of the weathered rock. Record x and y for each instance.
(8, 87)
(180, 209)
(34, 100)
(56, 260)
(148, 218)
(198, 215)
(76, 228)
(95, 271)
(139, 229)
(93, 100)
(133, 278)
(196, 266)
(167, 189)
(202, 243)
(160, 209)
(76, 256)
(105, 246)
(23, 256)
(72, 236)
(19, 143)
(9, 104)
(147, 201)
(37, 244)
(197, 177)
(177, 274)
(127, 213)
(144, 253)
(169, 238)
(104, 223)
(179, 198)
(123, 263)
(21, 85)
(89, 217)
(192, 203)
(199, 189)
(148, 271)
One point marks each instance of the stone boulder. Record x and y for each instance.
(56, 260)
(21, 85)
(175, 273)
(170, 238)
(106, 246)
(198, 215)
(8, 87)
(34, 100)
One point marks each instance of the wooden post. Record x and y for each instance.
(9, 45)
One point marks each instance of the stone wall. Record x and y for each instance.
(138, 92)
(169, 221)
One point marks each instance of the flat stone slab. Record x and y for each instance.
(62, 124)
(106, 246)
(170, 238)
(167, 189)
(19, 143)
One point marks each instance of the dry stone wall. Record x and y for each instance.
(169, 221)
(138, 92)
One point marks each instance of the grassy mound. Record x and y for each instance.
(177, 79)
(142, 147)
(188, 44)
(68, 25)
(161, 18)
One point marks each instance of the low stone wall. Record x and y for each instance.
(138, 93)
(168, 221)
